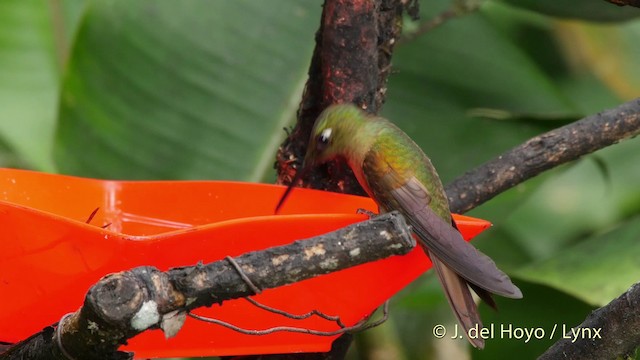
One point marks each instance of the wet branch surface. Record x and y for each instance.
(114, 307)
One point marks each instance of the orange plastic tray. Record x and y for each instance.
(49, 256)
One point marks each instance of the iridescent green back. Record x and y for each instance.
(392, 160)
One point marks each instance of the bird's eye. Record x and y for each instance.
(323, 139)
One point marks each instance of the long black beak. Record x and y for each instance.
(299, 175)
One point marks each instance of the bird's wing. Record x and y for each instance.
(412, 199)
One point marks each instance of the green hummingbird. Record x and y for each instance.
(396, 173)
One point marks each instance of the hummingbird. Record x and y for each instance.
(397, 175)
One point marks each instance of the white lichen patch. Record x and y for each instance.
(190, 301)
(350, 235)
(355, 252)
(93, 327)
(146, 317)
(386, 235)
(200, 279)
(247, 268)
(314, 251)
(329, 264)
(263, 273)
(172, 323)
(278, 260)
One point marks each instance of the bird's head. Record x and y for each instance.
(332, 136)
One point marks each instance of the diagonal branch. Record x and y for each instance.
(615, 321)
(543, 152)
(125, 304)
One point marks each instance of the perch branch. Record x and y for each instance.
(124, 304)
(617, 326)
(543, 152)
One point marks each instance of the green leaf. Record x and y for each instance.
(433, 91)
(593, 10)
(35, 37)
(564, 52)
(596, 270)
(610, 53)
(446, 73)
(580, 201)
(28, 80)
(183, 90)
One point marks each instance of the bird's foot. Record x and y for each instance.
(369, 213)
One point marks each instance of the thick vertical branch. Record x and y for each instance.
(349, 53)
(350, 63)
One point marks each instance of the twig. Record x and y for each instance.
(113, 308)
(458, 8)
(362, 325)
(543, 152)
(311, 313)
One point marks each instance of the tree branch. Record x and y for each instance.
(124, 304)
(350, 64)
(543, 152)
(609, 332)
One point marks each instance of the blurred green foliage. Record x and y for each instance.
(159, 89)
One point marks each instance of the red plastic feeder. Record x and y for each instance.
(49, 256)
